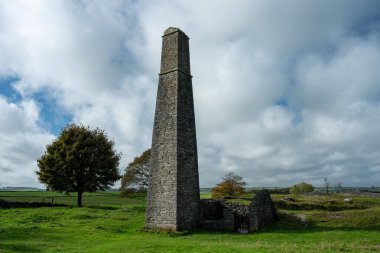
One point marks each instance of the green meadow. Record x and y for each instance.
(109, 223)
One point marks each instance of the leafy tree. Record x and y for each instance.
(301, 188)
(136, 174)
(79, 160)
(232, 186)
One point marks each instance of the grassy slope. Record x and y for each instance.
(118, 229)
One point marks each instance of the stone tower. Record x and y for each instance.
(173, 193)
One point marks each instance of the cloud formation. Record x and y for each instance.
(284, 91)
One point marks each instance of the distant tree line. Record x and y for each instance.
(284, 190)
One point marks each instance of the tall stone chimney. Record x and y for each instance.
(173, 192)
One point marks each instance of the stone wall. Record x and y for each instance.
(15, 204)
(162, 191)
(214, 215)
(261, 211)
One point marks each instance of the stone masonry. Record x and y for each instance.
(221, 214)
(173, 192)
(262, 211)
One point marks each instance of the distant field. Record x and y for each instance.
(109, 223)
(20, 189)
(205, 195)
(89, 199)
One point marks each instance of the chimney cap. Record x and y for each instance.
(171, 30)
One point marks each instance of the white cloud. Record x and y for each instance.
(284, 91)
(22, 141)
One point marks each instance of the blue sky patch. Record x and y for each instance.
(52, 116)
(7, 89)
(298, 119)
(282, 102)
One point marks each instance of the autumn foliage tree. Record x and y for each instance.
(136, 174)
(79, 160)
(231, 186)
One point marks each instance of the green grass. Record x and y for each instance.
(205, 195)
(329, 203)
(118, 228)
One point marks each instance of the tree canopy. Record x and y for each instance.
(79, 160)
(301, 188)
(231, 186)
(136, 174)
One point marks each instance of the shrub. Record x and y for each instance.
(301, 188)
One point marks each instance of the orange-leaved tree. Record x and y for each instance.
(232, 186)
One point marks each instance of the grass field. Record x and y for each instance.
(109, 223)
(89, 199)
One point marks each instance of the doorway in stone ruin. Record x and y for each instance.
(241, 223)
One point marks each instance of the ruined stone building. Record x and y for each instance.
(220, 214)
(173, 201)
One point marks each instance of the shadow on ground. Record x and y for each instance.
(18, 239)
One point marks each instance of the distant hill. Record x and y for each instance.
(19, 189)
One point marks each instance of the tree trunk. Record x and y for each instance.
(80, 199)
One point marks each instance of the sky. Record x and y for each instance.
(284, 91)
